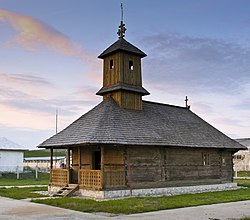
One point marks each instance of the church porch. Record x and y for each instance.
(91, 168)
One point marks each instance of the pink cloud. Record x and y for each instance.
(32, 34)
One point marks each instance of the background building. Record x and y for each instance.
(11, 156)
(242, 158)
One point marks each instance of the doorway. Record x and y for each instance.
(96, 158)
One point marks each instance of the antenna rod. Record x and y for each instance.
(56, 119)
(121, 12)
(122, 29)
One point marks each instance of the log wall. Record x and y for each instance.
(153, 166)
(160, 167)
(120, 71)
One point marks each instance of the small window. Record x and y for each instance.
(131, 65)
(111, 64)
(205, 159)
(223, 161)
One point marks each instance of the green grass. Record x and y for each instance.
(146, 204)
(242, 182)
(22, 193)
(134, 205)
(10, 179)
(243, 173)
(43, 153)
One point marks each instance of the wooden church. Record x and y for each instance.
(127, 146)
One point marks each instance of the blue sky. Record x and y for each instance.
(49, 49)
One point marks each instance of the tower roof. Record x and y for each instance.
(122, 45)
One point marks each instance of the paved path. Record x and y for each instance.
(11, 209)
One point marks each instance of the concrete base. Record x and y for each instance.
(168, 191)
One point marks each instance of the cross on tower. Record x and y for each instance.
(122, 29)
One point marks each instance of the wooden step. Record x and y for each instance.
(66, 190)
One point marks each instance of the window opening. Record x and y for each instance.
(111, 64)
(205, 159)
(223, 161)
(131, 65)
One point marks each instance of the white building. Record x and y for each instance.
(11, 156)
(242, 157)
(43, 163)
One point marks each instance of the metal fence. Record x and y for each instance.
(23, 172)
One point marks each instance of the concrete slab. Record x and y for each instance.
(225, 211)
(22, 210)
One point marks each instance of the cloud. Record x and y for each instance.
(182, 63)
(23, 83)
(24, 79)
(33, 34)
(30, 101)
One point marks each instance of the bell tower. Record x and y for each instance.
(122, 78)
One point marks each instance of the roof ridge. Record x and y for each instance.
(165, 104)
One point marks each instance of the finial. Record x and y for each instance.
(186, 102)
(122, 29)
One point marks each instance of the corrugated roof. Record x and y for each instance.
(122, 45)
(43, 158)
(156, 125)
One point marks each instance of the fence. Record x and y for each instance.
(23, 172)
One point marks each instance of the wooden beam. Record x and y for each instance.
(68, 165)
(51, 158)
(102, 166)
(79, 158)
(68, 158)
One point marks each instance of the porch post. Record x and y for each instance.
(79, 165)
(79, 158)
(68, 164)
(51, 158)
(51, 163)
(102, 167)
(68, 159)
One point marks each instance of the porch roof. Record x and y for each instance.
(156, 125)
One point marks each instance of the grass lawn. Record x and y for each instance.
(146, 204)
(134, 205)
(22, 193)
(9, 179)
(242, 174)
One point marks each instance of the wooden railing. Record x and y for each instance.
(94, 179)
(59, 177)
(90, 179)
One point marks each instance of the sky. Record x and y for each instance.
(49, 50)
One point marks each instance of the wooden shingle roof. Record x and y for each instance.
(122, 45)
(156, 125)
(123, 86)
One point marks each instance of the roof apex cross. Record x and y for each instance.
(122, 29)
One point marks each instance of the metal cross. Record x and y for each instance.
(186, 101)
(122, 29)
